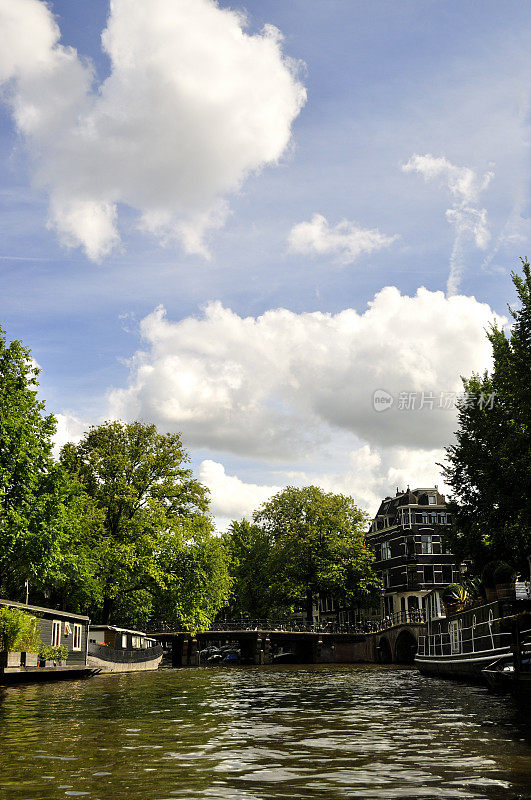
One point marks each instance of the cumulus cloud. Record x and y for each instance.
(192, 105)
(278, 385)
(230, 497)
(346, 241)
(70, 428)
(470, 223)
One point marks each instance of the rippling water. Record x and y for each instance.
(274, 732)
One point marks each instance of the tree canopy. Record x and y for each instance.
(302, 541)
(31, 484)
(151, 548)
(489, 467)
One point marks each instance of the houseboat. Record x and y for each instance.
(60, 632)
(113, 649)
(463, 644)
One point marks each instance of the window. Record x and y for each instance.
(431, 499)
(76, 641)
(135, 641)
(385, 579)
(426, 545)
(412, 576)
(386, 551)
(56, 633)
(410, 546)
(124, 641)
(428, 573)
(442, 518)
(447, 573)
(455, 637)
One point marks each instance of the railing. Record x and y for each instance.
(292, 626)
(479, 637)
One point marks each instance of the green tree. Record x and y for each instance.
(249, 550)
(317, 545)
(153, 549)
(31, 483)
(489, 467)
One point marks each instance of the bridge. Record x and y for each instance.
(390, 640)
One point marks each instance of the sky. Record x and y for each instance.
(280, 228)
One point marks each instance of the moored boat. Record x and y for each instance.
(463, 644)
(113, 649)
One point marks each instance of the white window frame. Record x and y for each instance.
(426, 544)
(456, 639)
(56, 632)
(124, 641)
(77, 637)
(135, 642)
(432, 500)
(386, 550)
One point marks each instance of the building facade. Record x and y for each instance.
(408, 541)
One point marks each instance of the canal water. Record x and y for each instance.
(272, 732)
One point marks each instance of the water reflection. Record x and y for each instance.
(275, 732)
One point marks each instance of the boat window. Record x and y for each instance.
(124, 641)
(135, 641)
(56, 633)
(76, 640)
(455, 636)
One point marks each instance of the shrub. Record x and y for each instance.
(487, 575)
(49, 653)
(18, 631)
(504, 573)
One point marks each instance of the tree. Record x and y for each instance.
(153, 548)
(31, 484)
(489, 467)
(317, 545)
(249, 550)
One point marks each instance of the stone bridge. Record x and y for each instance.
(390, 643)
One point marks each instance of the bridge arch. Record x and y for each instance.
(405, 647)
(383, 651)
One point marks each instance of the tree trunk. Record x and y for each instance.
(108, 603)
(309, 606)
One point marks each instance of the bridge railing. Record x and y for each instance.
(290, 625)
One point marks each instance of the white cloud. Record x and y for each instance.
(470, 223)
(230, 497)
(70, 428)
(192, 106)
(346, 241)
(279, 385)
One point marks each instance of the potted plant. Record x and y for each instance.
(46, 655)
(504, 578)
(18, 637)
(489, 583)
(455, 597)
(60, 654)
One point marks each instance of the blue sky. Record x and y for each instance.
(384, 82)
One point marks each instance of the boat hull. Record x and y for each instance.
(110, 659)
(467, 666)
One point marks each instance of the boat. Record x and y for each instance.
(464, 643)
(113, 649)
(511, 673)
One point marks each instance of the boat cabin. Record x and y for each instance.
(59, 628)
(120, 638)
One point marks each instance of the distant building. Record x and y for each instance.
(412, 559)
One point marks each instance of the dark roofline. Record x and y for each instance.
(55, 611)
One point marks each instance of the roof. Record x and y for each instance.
(118, 630)
(42, 610)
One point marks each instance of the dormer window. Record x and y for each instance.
(431, 499)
